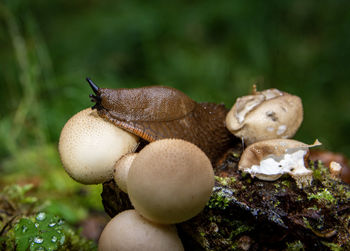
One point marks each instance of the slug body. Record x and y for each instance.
(158, 112)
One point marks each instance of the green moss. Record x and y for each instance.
(219, 200)
(323, 196)
(239, 228)
(225, 181)
(295, 246)
(332, 246)
(320, 171)
(286, 183)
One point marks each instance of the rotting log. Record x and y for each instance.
(250, 214)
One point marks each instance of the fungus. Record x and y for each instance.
(170, 181)
(128, 231)
(269, 114)
(270, 159)
(89, 147)
(335, 169)
(121, 170)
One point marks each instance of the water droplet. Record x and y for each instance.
(60, 222)
(38, 240)
(36, 225)
(52, 224)
(63, 238)
(24, 229)
(41, 216)
(54, 239)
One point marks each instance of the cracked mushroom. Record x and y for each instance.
(270, 159)
(269, 114)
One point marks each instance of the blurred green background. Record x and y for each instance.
(212, 50)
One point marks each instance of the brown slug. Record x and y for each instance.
(158, 112)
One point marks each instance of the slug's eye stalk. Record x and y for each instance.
(93, 86)
(95, 98)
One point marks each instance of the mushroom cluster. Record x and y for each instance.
(168, 181)
(265, 121)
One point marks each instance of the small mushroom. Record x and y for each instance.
(335, 169)
(121, 170)
(269, 114)
(89, 146)
(270, 159)
(128, 231)
(170, 181)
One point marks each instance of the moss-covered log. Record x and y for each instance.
(249, 214)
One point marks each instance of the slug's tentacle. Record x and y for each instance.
(95, 98)
(94, 87)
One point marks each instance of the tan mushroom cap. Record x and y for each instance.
(128, 231)
(170, 181)
(269, 114)
(89, 147)
(121, 170)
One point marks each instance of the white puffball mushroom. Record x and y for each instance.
(121, 170)
(128, 231)
(270, 159)
(170, 181)
(269, 114)
(89, 146)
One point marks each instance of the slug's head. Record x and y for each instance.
(95, 98)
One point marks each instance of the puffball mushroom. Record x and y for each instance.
(270, 159)
(121, 170)
(89, 146)
(128, 231)
(170, 181)
(269, 114)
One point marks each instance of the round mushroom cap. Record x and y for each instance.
(89, 146)
(121, 170)
(128, 231)
(170, 181)
(270, 114)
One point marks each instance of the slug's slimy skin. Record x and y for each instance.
(158, 112)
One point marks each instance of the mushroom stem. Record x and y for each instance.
(94, 87)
